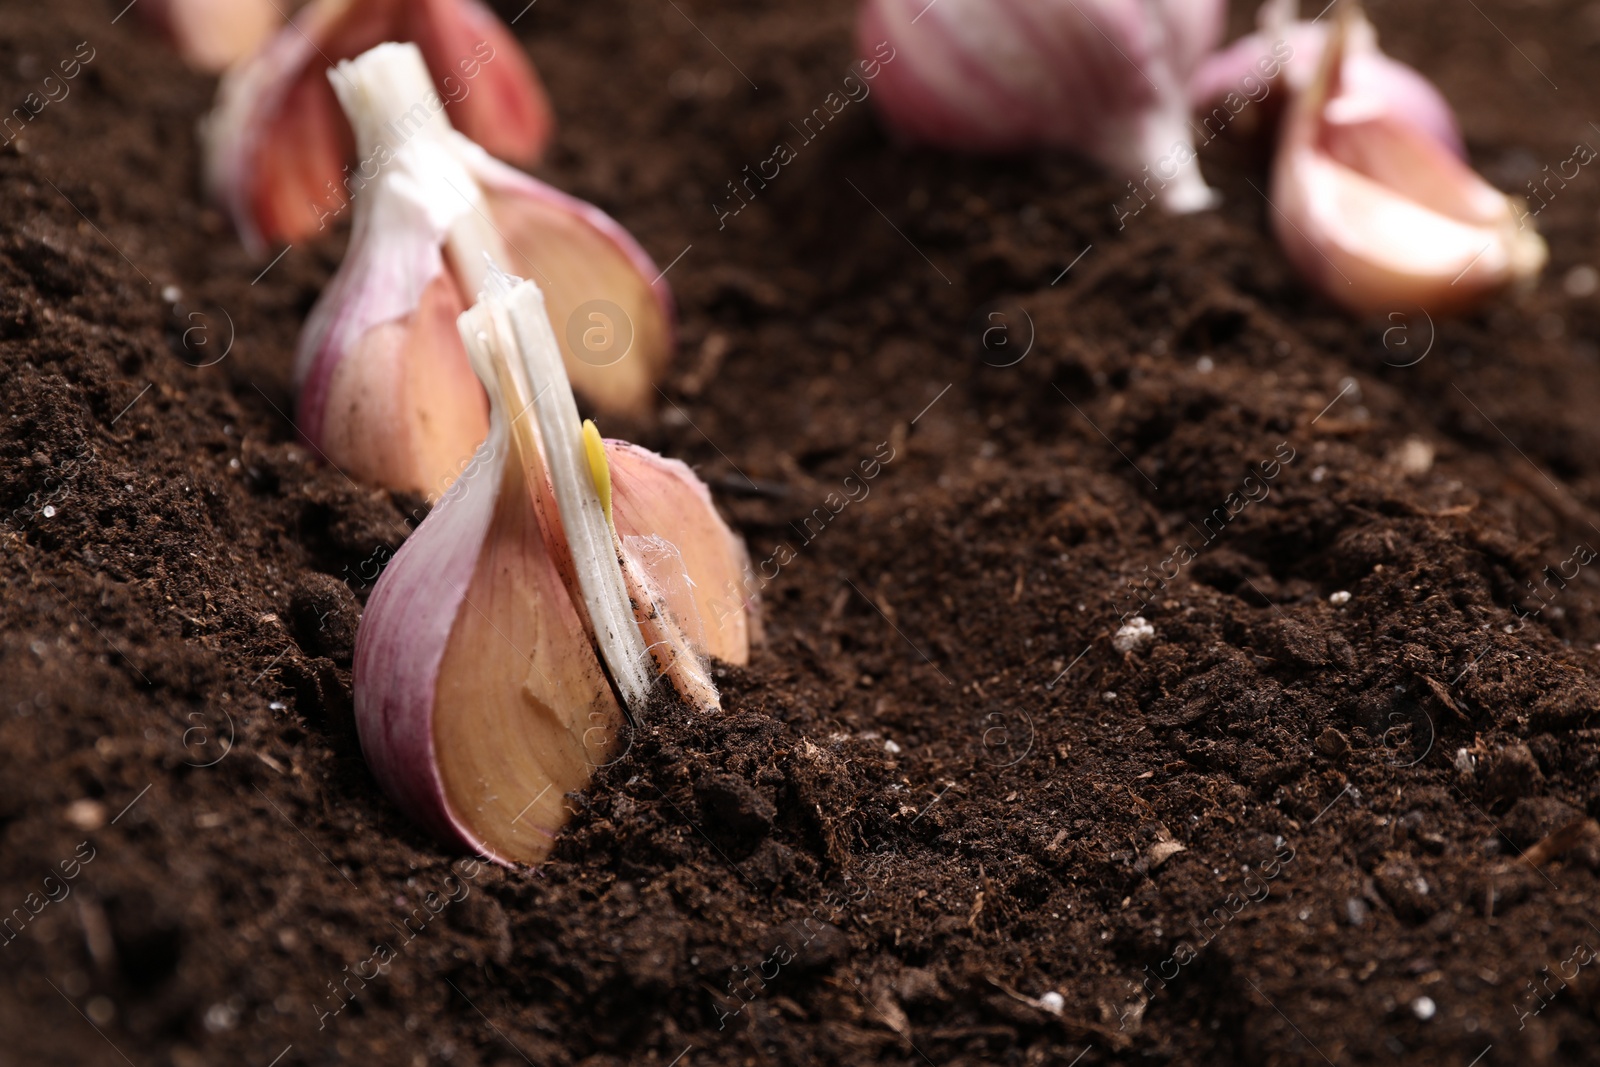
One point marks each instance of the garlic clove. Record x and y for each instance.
(211, 35)
(401, 408)
(370, 399)
(1289, 52)
(512, 346)
(490, 86)
(653, 493)
(487, 673)
(1372, 140)
(611, 309)
(386, 391)
(276, 145)
(527, 711)
(1380, 215)
(1105, 77)
(479, 699)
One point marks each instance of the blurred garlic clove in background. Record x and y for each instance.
(1108, 78)
(276, 148)
(212, 35)
(1379, 214)
(1292, 48)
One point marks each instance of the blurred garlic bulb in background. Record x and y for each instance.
(212, 35)
(1378, 213)
(386, 392)
(538, 605)
(277, 151)
(1108, 78)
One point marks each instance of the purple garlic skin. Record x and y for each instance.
(1108, 78)
(1250, 66)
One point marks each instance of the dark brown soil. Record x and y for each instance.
(939, 793)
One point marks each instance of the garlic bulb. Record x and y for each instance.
(277, 153)
(1108, 78)
(1380, 215)
(212, 35)
(386, 392)
(1295, 47)
(530, 613)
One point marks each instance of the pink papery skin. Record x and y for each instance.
(253, 91)
(395, 251)
(1014, 75)
(406, 628)
(498, 177)
(276, 144)
(634, 473)
(1379, 214)
(401, 644)
(1408, 95)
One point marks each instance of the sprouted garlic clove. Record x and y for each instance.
(1381, 216)
(521, 624)
(386, 390)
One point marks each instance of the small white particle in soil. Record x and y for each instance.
(1424, 1008)
(220, 1017)
(1581, 281)
(49, 511)
(890, 747)
(1134, 635)
(1053, 1002)
(1205, 365)
(86, 814)
(100, 1010)
(1339, 599)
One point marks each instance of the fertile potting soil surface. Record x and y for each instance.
(945, 818)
